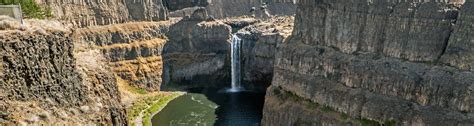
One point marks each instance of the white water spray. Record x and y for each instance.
(235, 61)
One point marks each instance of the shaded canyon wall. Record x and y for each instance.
(260, 43)
(374, 62)
(196, 54)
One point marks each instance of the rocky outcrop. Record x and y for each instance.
(196, 53)
(42, 84)
(260, 42)
(375, 62)
(132, 50)
(82, 13)
(460, 51)
(230, 8)
(174, 5)
(235, 8)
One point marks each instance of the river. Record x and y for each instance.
(212, 107)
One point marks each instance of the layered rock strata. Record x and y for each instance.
(133, 50)
(82, 13)
(42, 82)
(235, 8)
(460, 51)
(197, 53)
(231, 8)
(374, 62)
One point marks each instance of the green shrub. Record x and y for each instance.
(327, 109)
(390, 123)
(368, 122)
(344, 116)
(30, 8)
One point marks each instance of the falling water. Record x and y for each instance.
(235, 56)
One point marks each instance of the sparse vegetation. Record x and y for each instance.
(149, 105)
(286, 95)
(30, 8)
(310, 104)
(390, 123)
(367, 122)
(327, 109)
(344, 116)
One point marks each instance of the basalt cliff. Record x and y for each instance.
(83, 13)
(363, 62)
(43, 83)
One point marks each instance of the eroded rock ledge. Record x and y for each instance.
(132, 50)
(377, 62)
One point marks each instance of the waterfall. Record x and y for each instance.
(235, 61)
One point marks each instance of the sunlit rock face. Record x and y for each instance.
(132, 50)
(231, 8)
(43, 82)
(381, 62)
(83, 13)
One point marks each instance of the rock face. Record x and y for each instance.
(196, 53)
(374, 62)
(82, 13)
(174, 5)
(42, 84)
(460, 51)
(260, 42)
(234, 8)
(132, 50)
(231, 8)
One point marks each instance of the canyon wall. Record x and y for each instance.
(174, 5)
(235, 8)
(167, 54)
(460, 51)
(196, 54)
(43, 83)
(260, 42)
(231, 8)
(132, 50)
(83, 13)
(377, 62)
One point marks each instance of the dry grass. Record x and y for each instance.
(140, 104)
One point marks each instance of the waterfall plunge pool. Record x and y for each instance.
(233, 106)
(210, 106)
